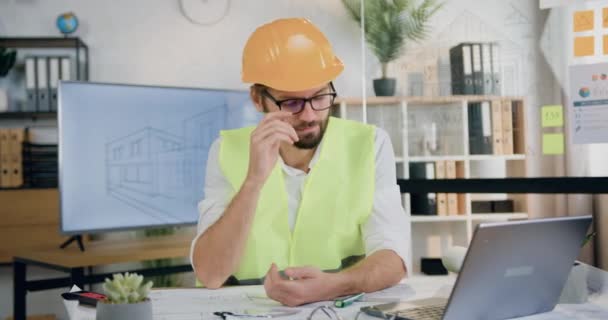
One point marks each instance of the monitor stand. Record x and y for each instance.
(77, 238)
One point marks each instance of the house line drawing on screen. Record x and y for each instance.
(134, 156)
(151, 166)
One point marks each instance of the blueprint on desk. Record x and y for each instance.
(135, 156)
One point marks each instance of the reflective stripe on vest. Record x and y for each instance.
(337, 200)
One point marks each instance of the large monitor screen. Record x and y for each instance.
(135, 156)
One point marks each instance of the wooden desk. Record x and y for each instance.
(29, 220)
(97, 253)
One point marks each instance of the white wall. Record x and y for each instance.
(150, 42)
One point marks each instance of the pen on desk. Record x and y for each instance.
(345, 302)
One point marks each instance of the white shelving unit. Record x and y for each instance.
(402, 118)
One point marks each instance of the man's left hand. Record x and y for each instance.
(305, 285)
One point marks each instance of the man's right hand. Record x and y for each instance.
(265, 142)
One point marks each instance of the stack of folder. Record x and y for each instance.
(442, 204)
(11, 149)
(475, 69)
(42, 75)
(40, 154)
(491, 127)
(450, 204)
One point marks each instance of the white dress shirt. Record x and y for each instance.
(388, 226)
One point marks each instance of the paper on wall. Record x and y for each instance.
(588, 98)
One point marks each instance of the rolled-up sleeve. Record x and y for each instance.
(388, 227)
(218, 193)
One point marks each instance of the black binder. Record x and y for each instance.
(496, 66)
(461, 69)
(479, 140)
(477, 68)
(486, 68)
(423, 203)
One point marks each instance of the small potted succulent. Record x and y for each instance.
(127, 298)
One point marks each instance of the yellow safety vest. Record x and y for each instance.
(336, 201)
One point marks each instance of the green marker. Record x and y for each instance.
(345, 302)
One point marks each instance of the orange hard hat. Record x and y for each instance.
(289, 55)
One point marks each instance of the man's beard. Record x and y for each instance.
(311, 140)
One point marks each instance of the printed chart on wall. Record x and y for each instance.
(589, 101)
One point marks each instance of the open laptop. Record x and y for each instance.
(511, 269)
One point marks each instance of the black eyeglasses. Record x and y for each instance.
(296, 105)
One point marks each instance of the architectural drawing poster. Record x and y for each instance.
(135, 156)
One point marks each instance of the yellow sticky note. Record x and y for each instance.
(584, 46)
(552, 116)
(553, 143)
(605, 17)
(605, 44)
(583, 20)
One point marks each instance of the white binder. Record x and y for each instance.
(486, 54)
(66, 69)
(477, 71)
(53, 81)
(43, 84)
(496, 64)
(30, 85)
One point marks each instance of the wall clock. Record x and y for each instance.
(204, 12)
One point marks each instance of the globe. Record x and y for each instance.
(67, 23)
(584, 92)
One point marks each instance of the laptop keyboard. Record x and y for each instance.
(432, 312)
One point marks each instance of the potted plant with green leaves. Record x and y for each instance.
(7, 61)
(389, 25)
(127, 298)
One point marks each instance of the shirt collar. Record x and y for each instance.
(297, 172)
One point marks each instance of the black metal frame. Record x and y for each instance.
(77, 276)
(587, 185)
(51, 43)
(82, 64)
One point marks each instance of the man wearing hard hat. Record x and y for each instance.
(305, 193)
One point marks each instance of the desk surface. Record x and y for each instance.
(196, 303)
(105, 252)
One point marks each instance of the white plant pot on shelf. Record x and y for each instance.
(124, 311)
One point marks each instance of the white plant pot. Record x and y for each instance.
(124, 311)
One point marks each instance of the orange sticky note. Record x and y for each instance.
(584, 46)
(605, 44)
(605, 17)
(583, 20)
